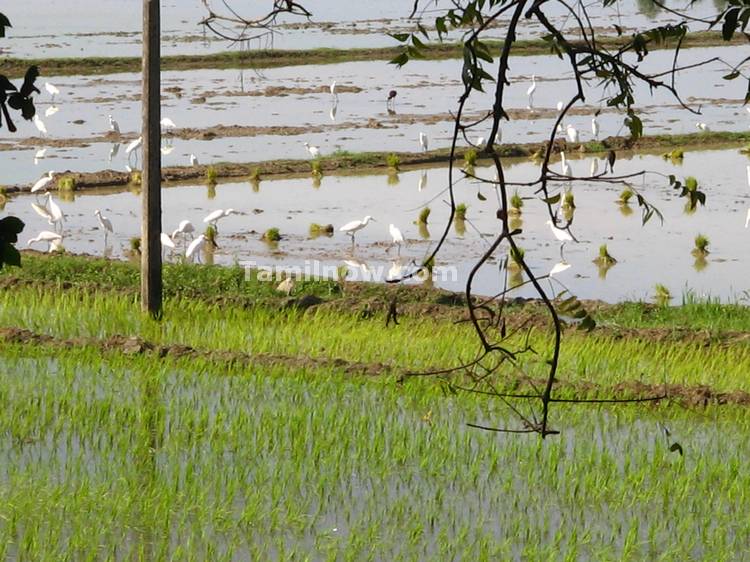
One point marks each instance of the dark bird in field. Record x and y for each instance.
(391, 97)
(611, 157)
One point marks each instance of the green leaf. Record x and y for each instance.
(400, 37)
(676, 447)
(400, 60)
(731, 75)
(552, 200)
(730, 23)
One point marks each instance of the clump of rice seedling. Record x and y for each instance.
(625, 196)
(677, 155)
(461, 211)
(470, 157)
(569, 201)
(516, 257)
(211, 175)
(662, 296)
(424, 214)
(3, 191)
(516, 203)
(272, 235)
(701, 246)
(67, 183)
(428, 267)
(392, 177)
(210, 235)
(316, 167)
(135, 245)
(255, 175)
(604, 259)
(393, 161)
(135, 178)
(321, 230)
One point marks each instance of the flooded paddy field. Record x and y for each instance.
(84, 28)
(292, 205)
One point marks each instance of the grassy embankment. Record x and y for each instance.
(109, 452)
(264, 58)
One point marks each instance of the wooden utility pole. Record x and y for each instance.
(151, 277)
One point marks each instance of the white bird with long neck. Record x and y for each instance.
(185, 227)
(572, 133)
(39, 155)
(43, 182)
(114, 126)
(595, 127)
(39, 124)
(104, 223)
(57, 217)
(559, 268)
(333, 90)
(703, 127)
(167, 124)
(313, 150)
(194, 160)
(51, 110)
(424, 142)
(51, 90)
(214, 217)
(194, 249)
(351, 228)
(530, 92)
(566, 169)
(561, 235)
(396, 235)
(51, 238)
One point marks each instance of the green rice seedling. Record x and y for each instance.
(662, 296)
(701, 246)
(516, 204)
(135, 245)
(272, 235)
(211, 175)
(470, 158)
(393, 161)
(317, 230)
(210, 234)
(569, 201)
(460, 213)
(255, 175)
(424, 215)
(392, 177)
(66, 183)
(135, 178)
(515, 260)
(460, 226)
(604, 259)
(317, 167)
(625, 196)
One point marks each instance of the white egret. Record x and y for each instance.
(165, 150)
(351, 228)
(560, 106)
(398, 237)
(559, 268)
(133, 145)
(43, 212)
(562, 236)
(422, 181)
(194, 160)
(104, 223)
(46, 236)
(423, 142)
(185, 227)
(51, 89)
(114, 125)
(41, 153)
(566, 169)
(333, 90)
(531, 90)
(51, 110)
(57, 217)
(702, 127)
(480, 142)
(167, 124)
(594, 167)
(334, 110)
(572, 133)
(396, 270)
(595, 127)
(313, 150)
(194, 249)
(166, 241)
(215, 216)
(43, 182)
(39, 124)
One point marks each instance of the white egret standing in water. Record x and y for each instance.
(167, 124)
(313, 150)
(194, 249)
(566, 169)
(39, 124)
(51, 110)
(51, 89)
(595, 127)
(194, 160)
(51, 238)
(333, 90)
(105, 224)
(396, 235)
(351, 228)
(43, 182)
(423, 142)
(701, 126)
(114, 127)
(57, 217)
(562, 236)
(214, 217)
(530, 92)
(572, 133)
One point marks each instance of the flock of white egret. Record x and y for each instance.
(48, 209)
